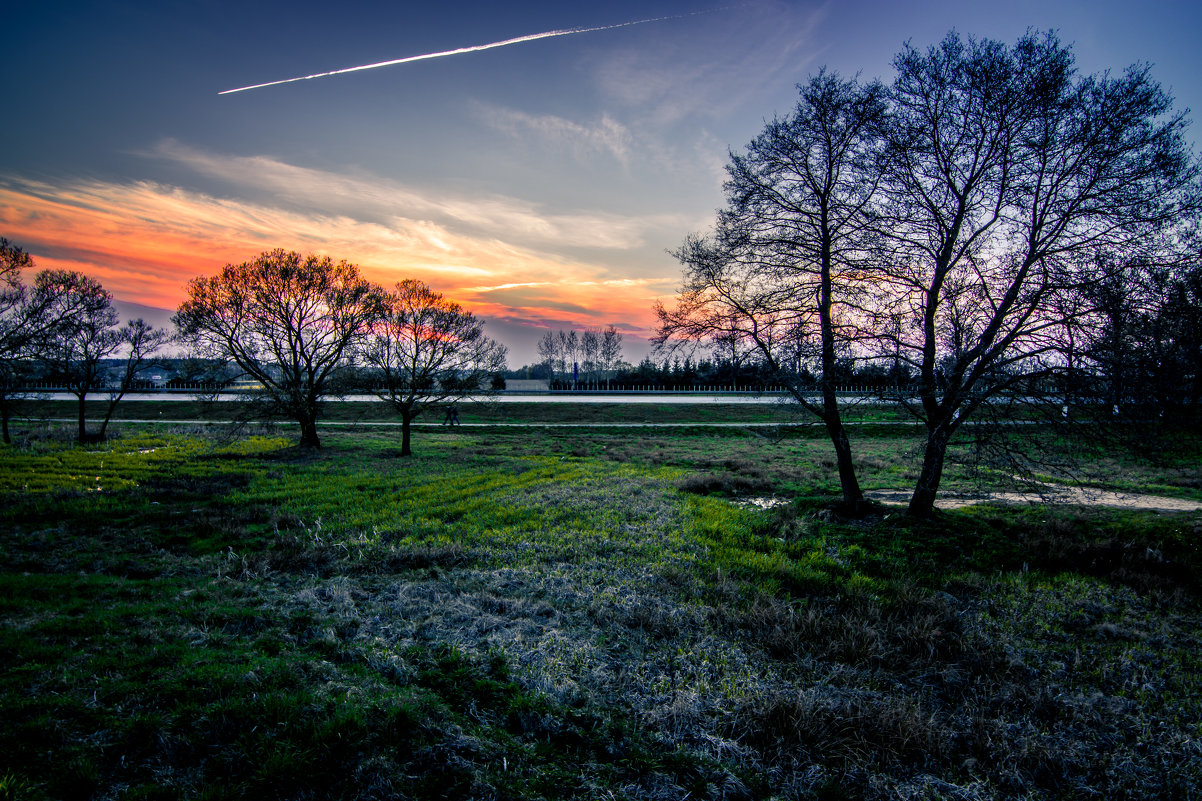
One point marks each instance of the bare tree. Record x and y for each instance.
(427, 350)
(568, 353)
(548, 351)
(1006, 176)
(141, 343)
(590, 347)
(781, 274)
(13, 332)
(85, 334)
(27, 321)
(288, 321)
(1179, 316)
(610, 351)
(1145, 348)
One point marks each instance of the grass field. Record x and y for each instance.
(574, 613)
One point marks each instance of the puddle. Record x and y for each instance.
(1081, 496)
(759, 503)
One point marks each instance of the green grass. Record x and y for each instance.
(565, 613)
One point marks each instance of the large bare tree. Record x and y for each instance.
(288, 321)
(82, 336)
(780, 276)
(427, 350)
(1008, 173)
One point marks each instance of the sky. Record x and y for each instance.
(542, 184)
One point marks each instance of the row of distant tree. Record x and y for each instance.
(1132, 341)
(1140, 351)
(587, 357)
(1142, 346)
(291, 329)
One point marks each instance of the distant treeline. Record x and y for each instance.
(676, 374)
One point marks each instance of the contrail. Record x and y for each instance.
(527, 38)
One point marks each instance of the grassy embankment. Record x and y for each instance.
(568, 613)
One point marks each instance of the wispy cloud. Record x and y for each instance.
(144, 240)
(606, 136)
(372, 198)
(722, 65)
(497, 287)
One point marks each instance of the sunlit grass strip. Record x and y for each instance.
(533, 508)
(118, 464)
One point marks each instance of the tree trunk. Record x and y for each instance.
(104, 426)
(922, 503)
(4, 415)
(308, 437)
(82, 420)
(405, 450)
(853, 497)
(108, 415)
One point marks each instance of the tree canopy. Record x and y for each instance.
(288, 321)
(426, 350)
(780, 275)
(949, 224)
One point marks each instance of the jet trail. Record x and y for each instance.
(474, 48)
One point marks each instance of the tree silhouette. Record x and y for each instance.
(427, 350)
(1007, 175)
(779, 279)
(289, 322)
(83, 334)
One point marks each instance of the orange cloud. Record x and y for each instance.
(145, 240)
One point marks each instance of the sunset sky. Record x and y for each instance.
(541, 183)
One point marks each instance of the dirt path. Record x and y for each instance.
(1080, 496)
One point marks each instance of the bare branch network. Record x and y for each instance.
(960, 227)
